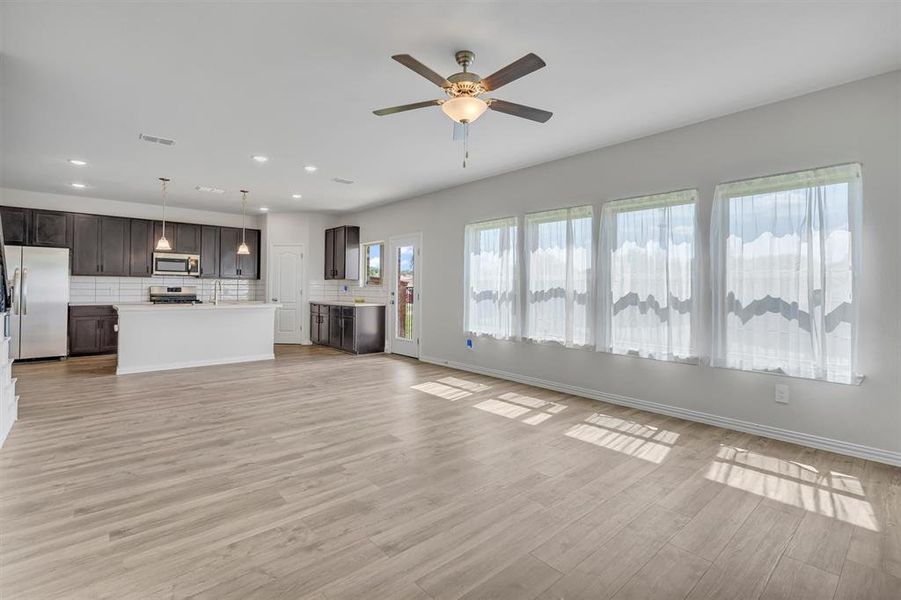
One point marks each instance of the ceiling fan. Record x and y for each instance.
(464, 104)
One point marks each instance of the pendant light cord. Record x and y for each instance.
(165, 193)
(243, 216)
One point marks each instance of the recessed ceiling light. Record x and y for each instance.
(211, 190)
(310, 168)
(264, 209)
(297, 196)
(76, 162)
(260, 158)
(78, 185)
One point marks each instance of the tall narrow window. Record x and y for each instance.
(372, 263)
(558, 256)
(784, 265)
(491, 279)
(648, 283)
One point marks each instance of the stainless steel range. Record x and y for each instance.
(186, 294)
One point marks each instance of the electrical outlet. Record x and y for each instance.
(781, 393)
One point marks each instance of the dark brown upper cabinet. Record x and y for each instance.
(187, 238)
(123, 247)
(49, 228)
(100, 245)
(170, 235)
(35, 227)
(209, 251)
(342, 252)
(229, 238)
(140, 255)
(249, 264)
(85, 245)
(16, 225)
(114, 246)
(238, 266)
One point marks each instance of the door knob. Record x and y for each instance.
(275, 299)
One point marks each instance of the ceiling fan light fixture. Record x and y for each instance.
(464, 109)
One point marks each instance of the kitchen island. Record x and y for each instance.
(160, 337)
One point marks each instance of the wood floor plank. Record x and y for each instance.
(615, 562)
(859, 582)
(708, 533)
(796, 580)
(326, 476)
(524, 579)
(669, 575)
(742, 569)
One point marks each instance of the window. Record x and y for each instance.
(491, 279)
(784, 262)
(648, 286)
(372, 263)
(558, 266)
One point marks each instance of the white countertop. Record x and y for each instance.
(132, 302)
(339, 303)
(144, 307)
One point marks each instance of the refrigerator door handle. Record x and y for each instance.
(25, 290)
(14, 292)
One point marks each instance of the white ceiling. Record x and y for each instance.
(298, 82)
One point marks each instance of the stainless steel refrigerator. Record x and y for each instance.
(39, 289)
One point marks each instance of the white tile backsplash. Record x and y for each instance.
(346, 291)
(137, 289)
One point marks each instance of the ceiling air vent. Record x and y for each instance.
(153, 139)
(211, 190)
(344, 181)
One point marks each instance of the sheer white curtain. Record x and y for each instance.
(491, 279)
(647, 287)
(558, 256)
(784, 265)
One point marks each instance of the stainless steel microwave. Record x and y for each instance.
(165, 263)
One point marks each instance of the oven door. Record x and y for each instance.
(176, 264)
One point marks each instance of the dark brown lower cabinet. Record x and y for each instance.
(93, 330)
(319, 324)
(357, 329)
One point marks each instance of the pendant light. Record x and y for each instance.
(163, 244)
(243, 249)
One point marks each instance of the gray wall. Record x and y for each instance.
(854, 122)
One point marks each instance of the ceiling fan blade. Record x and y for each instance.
(518, 110)
(414, 65)
(396, 109)
(520, 68)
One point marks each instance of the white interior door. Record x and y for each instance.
(286, 288)
(404, 258)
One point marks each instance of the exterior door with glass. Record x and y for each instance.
(404, 258)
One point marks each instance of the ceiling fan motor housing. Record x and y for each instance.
(465, 58)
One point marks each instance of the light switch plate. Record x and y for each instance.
(781, 393)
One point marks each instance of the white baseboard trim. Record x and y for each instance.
(193, 363)
(786, 435)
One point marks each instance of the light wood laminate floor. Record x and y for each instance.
(327, 476)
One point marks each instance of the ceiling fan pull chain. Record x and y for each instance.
(465, 143)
